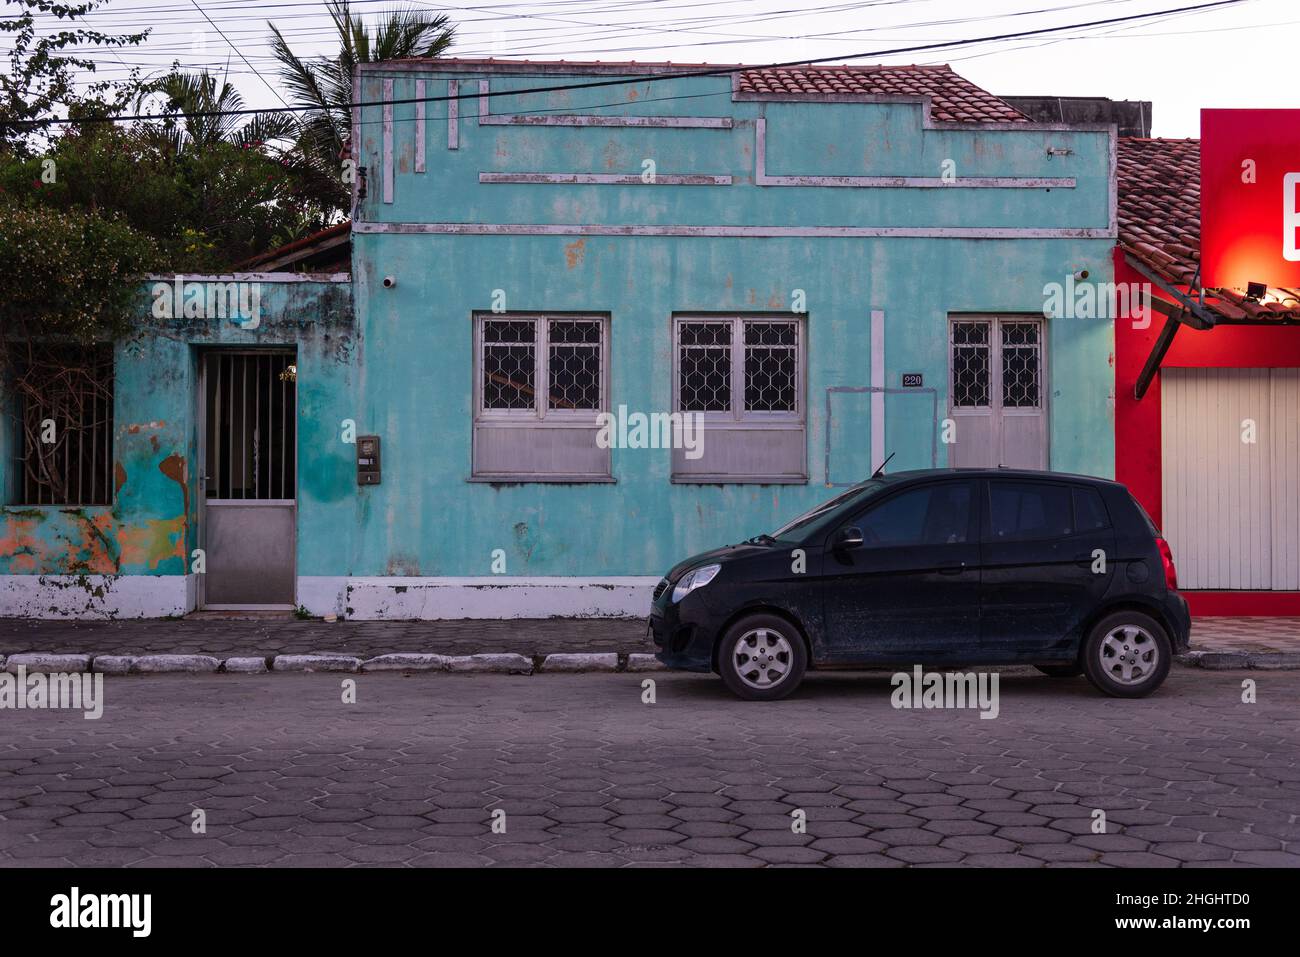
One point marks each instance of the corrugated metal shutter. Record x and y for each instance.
(1230, 505)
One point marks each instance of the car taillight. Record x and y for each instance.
(1167, 558)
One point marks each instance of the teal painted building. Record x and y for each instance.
(594, 328)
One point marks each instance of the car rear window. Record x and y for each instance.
(1145, 517)
(1089, 511)
(1023, 511)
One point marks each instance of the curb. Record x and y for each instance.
(1241, 660)
(491, 663)
(407, 662)
(508, 663)
(311, 663)
(579, 662)
(40, 661)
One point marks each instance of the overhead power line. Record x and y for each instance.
(654, 77)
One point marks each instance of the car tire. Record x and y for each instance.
(753, 649)
(1060, 671)
(1127, 654)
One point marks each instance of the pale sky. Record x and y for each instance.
(1231, 57)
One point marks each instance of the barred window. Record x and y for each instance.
(745, 376)
(738, 366)
(541, 383)
(509, 363)
(970, 364)
(518, 353)
(770, 366)
(573, 364)
(63, 410)
(1020, 365)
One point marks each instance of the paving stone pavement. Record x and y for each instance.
(1246, 634)
(224, 637)
(588, 775)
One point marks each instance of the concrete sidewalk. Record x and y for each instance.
(1217, 643)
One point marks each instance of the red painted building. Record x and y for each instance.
(1207, 417)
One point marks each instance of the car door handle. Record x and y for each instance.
(952, 568)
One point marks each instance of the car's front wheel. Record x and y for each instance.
(762, 658)
(1127, 654)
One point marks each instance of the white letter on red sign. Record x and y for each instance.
(1290, 218)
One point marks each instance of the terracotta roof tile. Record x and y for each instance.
(953, 98)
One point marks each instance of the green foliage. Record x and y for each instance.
(78, 272)
(207, 206)
(324, 84)
(43, 66)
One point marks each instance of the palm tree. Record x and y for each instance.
(324, 84)
(202, 93)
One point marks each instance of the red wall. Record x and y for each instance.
(1137, 424)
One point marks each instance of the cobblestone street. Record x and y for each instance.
(587, 774)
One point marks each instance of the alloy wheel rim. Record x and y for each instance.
(763, 658)
(1129, 654)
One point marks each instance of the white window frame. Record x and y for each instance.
(737, 419)
(541, 415)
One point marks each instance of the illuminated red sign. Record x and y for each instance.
(1250, 198)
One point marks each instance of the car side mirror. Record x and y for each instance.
(850, 537)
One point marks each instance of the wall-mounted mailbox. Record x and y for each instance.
(367, 460)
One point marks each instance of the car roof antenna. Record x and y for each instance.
(881, 470)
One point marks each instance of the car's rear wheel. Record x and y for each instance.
(1060, 671)
(762, 658)
(1127, 654)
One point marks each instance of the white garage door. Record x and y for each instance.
(1230, 460)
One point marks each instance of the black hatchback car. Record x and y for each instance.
(943, 567)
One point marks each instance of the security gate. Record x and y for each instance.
(1230, 476)
(997, 396)
(248, 479)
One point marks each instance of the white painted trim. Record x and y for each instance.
(256, 277)
(756, 232)
(419, 126)
(453, 115)
(606, 179)
(487, 597)
(388, 141)
(919, 99)
(487, 118)
(75, 596)
(761, 177)
(877, 389)
(428, 598)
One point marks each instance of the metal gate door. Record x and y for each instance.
(248, 474)
(1230, 454)
(997, 396)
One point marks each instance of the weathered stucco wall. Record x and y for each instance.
(80, 555)
(640, 253)
(416, 387)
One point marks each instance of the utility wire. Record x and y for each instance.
(649, 78)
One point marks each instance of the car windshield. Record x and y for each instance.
(827, 511)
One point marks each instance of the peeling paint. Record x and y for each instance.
(575, 252)
(174, 468)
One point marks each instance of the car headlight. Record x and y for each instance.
(693, 579)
